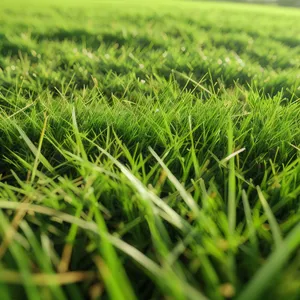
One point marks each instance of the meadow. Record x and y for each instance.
(149, 150)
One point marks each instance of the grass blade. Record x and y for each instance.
(271, 218)
(262, 279)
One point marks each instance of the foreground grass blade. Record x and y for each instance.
(231, 201)
(182, 191)
(261, 281)
(249, 220)
(231, 183)
(156, 271)
(272, 220)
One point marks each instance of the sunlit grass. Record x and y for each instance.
(149, 150)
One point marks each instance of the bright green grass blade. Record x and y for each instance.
(43, 261)
(231, 202)
(249, 220)
(271, 218)
(231, 183)
(112, 271)
(38, 154)
(79, 144)
(182, 191)
(34, 150)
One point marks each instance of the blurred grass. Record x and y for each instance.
(149, 150)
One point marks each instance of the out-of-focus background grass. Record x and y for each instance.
(292, 3)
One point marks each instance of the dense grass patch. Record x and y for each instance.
(149, 151)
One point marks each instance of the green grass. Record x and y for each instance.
(149, 150)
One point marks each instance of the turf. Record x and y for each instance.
(149, 150)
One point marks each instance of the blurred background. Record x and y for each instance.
(292, 3)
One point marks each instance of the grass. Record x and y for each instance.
(149, 150)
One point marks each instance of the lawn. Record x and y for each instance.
(149, 150)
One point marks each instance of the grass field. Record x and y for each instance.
(149, 150)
